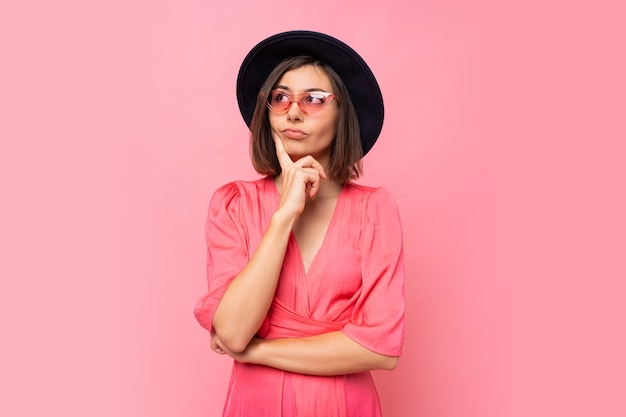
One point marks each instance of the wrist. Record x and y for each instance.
(283, 219)
(255, 351)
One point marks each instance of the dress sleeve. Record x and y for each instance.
(227, 249)
(378, 317)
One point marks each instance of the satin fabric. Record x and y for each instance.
(355, 284)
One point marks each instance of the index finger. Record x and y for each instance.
(283, 157)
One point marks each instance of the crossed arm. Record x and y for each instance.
(331, 353)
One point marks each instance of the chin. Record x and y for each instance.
(298, 152)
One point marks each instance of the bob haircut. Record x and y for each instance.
(346, 150)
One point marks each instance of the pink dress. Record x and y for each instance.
(354, 284)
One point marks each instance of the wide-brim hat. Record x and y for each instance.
(345, 61)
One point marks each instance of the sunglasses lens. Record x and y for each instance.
(280, 102)
(313, 102)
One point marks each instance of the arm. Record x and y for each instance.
(248, 298)
(246, 301)
(331, 353)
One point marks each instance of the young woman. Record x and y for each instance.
(305, 267)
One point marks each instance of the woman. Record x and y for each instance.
(305, 268)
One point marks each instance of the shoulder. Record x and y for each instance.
(231, 193)
(240, 187)
(378, 206)
(372, 195)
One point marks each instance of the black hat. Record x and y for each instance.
(351, 68)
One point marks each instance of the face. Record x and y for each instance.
(306, 133)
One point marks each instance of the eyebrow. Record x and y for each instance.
(284, 87)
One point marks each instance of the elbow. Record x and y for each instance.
(233, 342)
(389, 363)
(236, 346)
(231, 337)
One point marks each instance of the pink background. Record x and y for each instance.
(503, 145)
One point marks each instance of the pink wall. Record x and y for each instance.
(503, 145)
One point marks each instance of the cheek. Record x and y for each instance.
(331, 127)
(273, 122)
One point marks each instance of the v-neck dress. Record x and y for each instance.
(354, 284)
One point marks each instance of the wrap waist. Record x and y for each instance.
(284, 322)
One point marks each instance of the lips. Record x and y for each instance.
(294, 133)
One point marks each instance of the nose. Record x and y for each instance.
(294, 113)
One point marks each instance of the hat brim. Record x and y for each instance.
(347, 63)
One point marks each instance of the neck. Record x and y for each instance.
(328, 188)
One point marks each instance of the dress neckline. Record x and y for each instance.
(293, 243)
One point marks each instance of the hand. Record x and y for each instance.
(301, 179)
(216, 344)
(247, 356)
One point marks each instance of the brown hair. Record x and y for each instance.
(346, 150)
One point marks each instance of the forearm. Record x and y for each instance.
(248, 298)
(327, 354)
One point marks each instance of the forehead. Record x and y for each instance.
(305, 78)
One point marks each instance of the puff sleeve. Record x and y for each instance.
(227, 249)
(378, 317)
